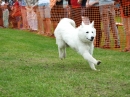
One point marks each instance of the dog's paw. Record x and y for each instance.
(98, 63)
(98, 70)
(61, 58)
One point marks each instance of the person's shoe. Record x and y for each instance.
(117, 46)
(126, 50)
(49, 34)
(45, 34)
(52, 35)
(106, 47)
(23, 29)
(38, 33)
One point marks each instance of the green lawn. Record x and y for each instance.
(30, 67)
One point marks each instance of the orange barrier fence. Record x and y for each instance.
(115, 36)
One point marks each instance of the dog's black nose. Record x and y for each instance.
(92, 38)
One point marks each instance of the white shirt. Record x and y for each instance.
(43, 1)
(3, 3)
(97, 4)
(106, 2)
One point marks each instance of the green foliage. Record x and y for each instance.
(30, 67)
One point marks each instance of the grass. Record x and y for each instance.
(30, 67)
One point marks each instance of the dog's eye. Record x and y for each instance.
(87, 32)
(92, 32)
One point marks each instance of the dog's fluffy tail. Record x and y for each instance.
(70, 21)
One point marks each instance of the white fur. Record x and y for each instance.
(79, 39)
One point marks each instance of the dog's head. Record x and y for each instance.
(87, 33)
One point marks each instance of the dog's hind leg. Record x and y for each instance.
(62, 52)
(61, 48)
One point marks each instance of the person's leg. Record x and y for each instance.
(75, 14)
(18, 22)
(114, 27)
(97, 25)
(54, 17)
(47, 26)
(105, 22)
(86, 20)
(95, 16)
(47, 20)
(57, 13)
(40, 23)
(126, 23)
(4, 20)
(85, 16)
(55, 23)
(129, 32)
(35, 23)
(24, 17)
(29, 21)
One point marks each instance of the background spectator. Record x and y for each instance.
(125, 14)
(32, 18)
(5, 14)
(16, 13)
(45, 14)
(75, 12)
(1, 15)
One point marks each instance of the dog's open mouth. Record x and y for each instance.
(89, 39)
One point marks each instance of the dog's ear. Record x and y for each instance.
(92, 24)
(83, 23)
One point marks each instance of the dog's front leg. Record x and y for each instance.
(92, 65)
(87, 56)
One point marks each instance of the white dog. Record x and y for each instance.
(80, 39)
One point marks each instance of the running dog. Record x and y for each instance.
(80, 39)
